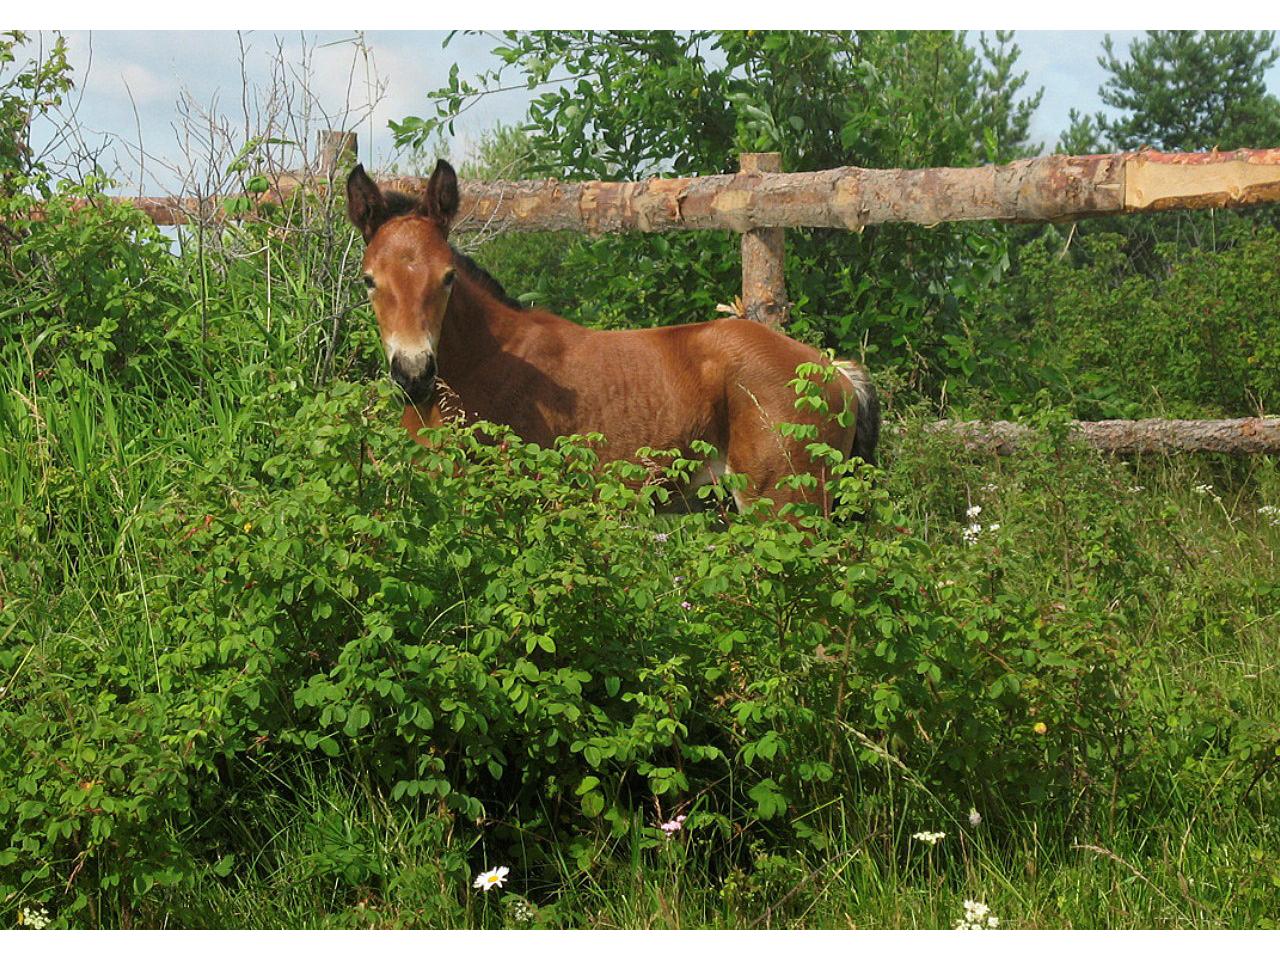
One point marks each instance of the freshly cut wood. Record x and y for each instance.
(850, 198)
(1247, 435)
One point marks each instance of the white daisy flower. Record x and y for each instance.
(491, 878)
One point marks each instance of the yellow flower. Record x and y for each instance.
(1040, 728)
(248, 526)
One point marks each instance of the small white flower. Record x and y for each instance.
(975, 817)
(36, 918)
(521, 910)
(660, 537)
(672, 826)
(1271, 514)
(971, 533)
(989, 488)
(977, 916)
(1137, 488)
(973, 511)
(925, 836)
(1203, 488)
(491, 878)
(993, 527)
(975, 910)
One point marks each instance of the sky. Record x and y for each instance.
(131, 85)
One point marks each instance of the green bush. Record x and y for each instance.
(86, 281)
(491, 633)
(1199, 339)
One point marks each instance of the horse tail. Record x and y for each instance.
(866, 431)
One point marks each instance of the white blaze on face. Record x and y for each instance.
(414, 355)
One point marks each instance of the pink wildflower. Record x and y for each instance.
(671, 826)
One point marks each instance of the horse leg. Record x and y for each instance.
(758, 449)
(765, 457)
(415, 421)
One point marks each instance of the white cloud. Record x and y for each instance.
(141, 83)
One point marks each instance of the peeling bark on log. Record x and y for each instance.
(1035, 190)
(1249, 435)
(849, 198)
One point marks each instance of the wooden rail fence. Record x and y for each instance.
(760, 202)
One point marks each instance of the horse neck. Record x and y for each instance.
(477, 329)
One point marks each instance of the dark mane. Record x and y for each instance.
(485, 279)
(399, 204)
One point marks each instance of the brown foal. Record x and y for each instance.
(725, 382)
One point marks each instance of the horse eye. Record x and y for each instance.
(448, 277)
(368, 281)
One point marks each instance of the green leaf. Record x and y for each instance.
(592, 804)
(769, 799)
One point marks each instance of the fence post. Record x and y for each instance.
(333, 147)
(764, 284)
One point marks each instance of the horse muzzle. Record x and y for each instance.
(417, 381)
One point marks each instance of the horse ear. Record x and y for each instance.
(366, 208)
(440, 202)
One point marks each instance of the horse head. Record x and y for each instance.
(408, 270)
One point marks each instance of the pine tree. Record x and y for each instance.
(1006, 121)
(1083, 134)
(1189, 90)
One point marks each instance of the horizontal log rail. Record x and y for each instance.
(1247, 435)
(1040, 189)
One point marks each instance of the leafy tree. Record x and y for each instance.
(1188, 90)
(28, 89)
